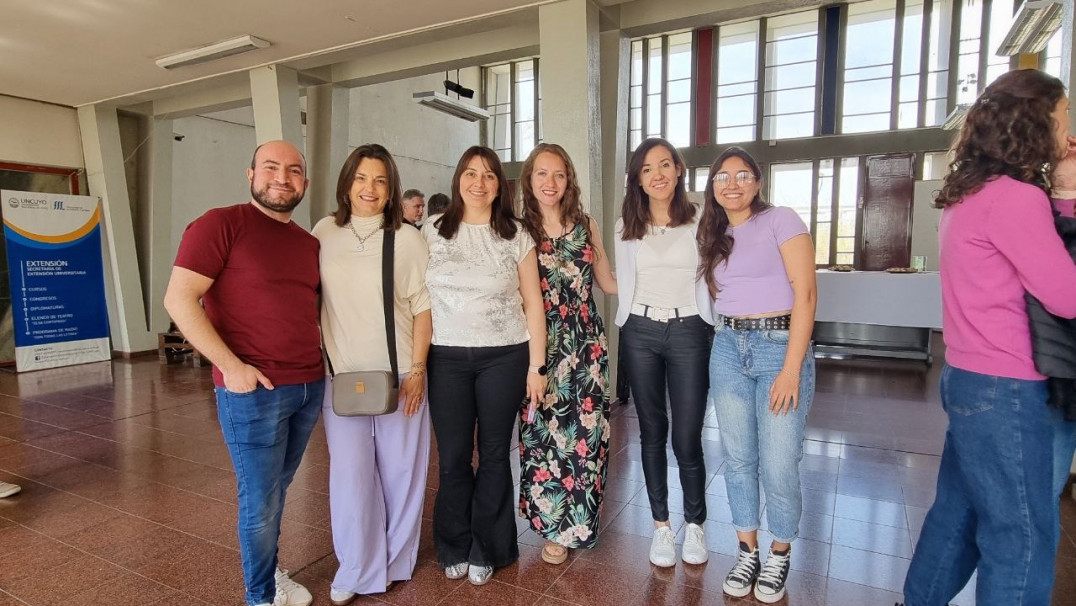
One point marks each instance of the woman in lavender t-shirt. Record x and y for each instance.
(758, 262)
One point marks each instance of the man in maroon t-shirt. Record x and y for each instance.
(256, 273)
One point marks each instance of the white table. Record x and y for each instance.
(877, 313)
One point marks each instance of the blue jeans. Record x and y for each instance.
(995, 508)
(266, 432)
(743, 366)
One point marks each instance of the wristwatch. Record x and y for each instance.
(538, 370)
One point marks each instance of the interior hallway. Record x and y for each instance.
(128, 498)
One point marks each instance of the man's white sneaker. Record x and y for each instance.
(7, 489)
(290, 593)
(694, 550)
(663, 547)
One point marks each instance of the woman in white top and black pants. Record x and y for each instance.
(666, 329)
(488, 327)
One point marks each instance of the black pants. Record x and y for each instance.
(474, 514)
(671, 355)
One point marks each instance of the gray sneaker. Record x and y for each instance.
(456, 571)
(479, 575)
(741, 579)
(770, 587)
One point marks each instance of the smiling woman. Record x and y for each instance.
(488, 322)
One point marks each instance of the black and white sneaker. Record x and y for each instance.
(770, 586)
(742, 577)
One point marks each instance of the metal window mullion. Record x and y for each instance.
(760, 101)
(814, 199)
(898, 51)
(834, 211)
(644, 96)
(954, 54)
(984, 42)
(483, 89)
(861, 204)
(842, 45)
(924, 61)
(512, 112)
(715, 84)
(537, 105)
(664, 87)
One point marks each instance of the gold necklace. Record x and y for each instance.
(362, 239)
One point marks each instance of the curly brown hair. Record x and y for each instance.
(715, 243)
(1008, 131)
(571, 205)
(636, 209)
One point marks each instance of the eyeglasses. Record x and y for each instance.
(742, 178)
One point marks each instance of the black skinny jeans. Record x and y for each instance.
(474, 513)
(676, 355)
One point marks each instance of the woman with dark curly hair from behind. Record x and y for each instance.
(995, 508)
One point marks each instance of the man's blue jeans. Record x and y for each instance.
(995, 508)
(266, 432)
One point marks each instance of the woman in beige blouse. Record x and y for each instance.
(377, 467)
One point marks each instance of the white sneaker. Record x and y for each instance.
(479, 575)
(7, 489)
(341, 598)
(663, 547)
(290, 593)
(694, 550)
(456, 571)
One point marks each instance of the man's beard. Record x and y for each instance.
(281, 206)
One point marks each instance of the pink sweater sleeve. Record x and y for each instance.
(1021, 226)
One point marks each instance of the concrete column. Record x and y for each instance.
(274, 92)
(158, 221)
(327, 142)
(569, 73)
(105, 175)
(615, 78)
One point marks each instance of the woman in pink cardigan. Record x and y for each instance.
(996, 510)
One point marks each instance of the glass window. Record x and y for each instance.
(791, 65)
(737, 82)
(791, 185)
(514, 125)
(1052, 64)
(935, 109)
(660, 91)
(868, 78)
(824, 216)
(1001, 18)
(848, 193)
(967, 75)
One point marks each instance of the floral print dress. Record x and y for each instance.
(563, 450)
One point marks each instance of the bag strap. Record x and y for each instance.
(388, 287)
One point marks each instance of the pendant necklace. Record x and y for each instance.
(362, 239)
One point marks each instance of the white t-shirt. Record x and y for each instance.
(665, 268)
(352, 315)
(473, 280)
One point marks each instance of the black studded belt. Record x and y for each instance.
(771, 323)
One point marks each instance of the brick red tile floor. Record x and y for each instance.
(128, 498)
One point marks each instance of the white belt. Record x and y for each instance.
(663, 314)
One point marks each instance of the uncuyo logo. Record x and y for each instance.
(13, 202)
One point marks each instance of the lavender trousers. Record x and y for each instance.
(377, 482)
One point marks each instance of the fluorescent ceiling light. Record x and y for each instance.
(955, 119)
(455, 107)
(203, 54)
(1032, 28)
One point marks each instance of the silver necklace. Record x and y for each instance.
(660, 228)
(362, 239)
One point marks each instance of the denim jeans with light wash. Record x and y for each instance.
(1064, 447)
(266, 432)
(743, 366)
(995, 508)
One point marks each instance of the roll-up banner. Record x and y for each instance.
(57, 279)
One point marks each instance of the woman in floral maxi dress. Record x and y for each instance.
(564, 441)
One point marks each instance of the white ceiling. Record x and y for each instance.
(78, 52)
